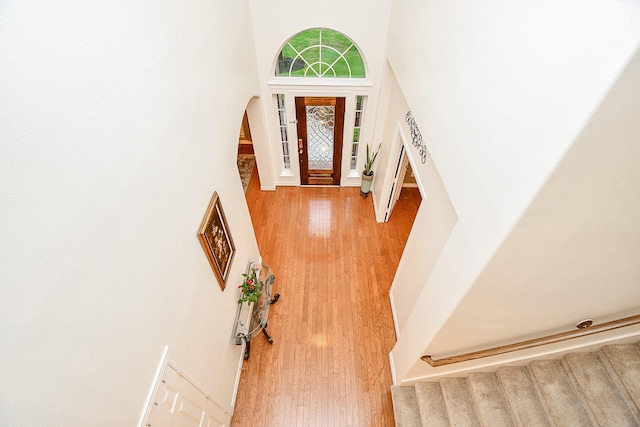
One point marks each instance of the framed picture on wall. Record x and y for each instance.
(216, 240)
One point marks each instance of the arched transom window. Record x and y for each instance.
(320, 52)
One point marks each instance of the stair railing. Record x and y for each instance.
(584, 329)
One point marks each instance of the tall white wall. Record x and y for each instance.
(500, 91)
(118, 121)
(572, 255)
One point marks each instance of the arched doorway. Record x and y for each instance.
(319, 74)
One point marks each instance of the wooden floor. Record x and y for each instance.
(332, 328)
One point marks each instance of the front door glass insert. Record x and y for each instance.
(320, 128)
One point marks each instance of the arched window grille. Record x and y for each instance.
(320, 52)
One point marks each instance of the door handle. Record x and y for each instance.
(300, 146)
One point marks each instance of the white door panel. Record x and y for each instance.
(179, 403)
(215, 416)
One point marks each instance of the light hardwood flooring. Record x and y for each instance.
(332, 328)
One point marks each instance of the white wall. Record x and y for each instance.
(429, 234)
(436, 216)
(572, 256)
(500, 91)
(118, 121)
(364, 22)
(391, 103)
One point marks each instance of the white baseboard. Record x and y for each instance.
(393, 368)
(238, 373)
(395, 328)
(394, 315)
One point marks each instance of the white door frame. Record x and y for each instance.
(397, 182)
(348, 90)
(349, 107)
(399, 140)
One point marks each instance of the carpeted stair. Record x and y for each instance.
(581, 389)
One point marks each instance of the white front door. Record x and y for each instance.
(178, 403)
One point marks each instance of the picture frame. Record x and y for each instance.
(215, 238)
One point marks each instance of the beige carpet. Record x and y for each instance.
(246, 162)
(582, 389)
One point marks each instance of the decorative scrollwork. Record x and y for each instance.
(320, 128)
(416, 137)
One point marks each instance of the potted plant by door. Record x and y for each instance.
(367, 174)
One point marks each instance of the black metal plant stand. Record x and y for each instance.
(259, 313)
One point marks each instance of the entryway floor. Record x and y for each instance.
(332, 328)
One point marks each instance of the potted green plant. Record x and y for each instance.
(251, 287)
(367, 173)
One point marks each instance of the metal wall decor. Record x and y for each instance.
(416, 137)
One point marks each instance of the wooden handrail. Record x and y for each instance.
(523, 345)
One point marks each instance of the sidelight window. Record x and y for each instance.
(357, 126)
(284, 134)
